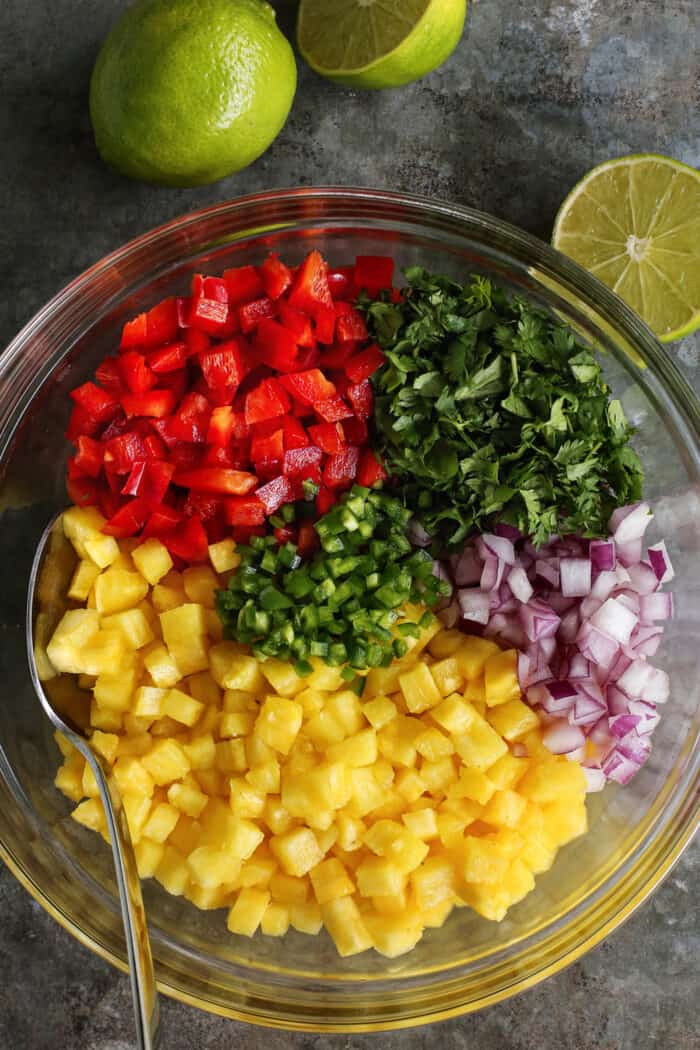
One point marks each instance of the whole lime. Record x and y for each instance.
(185, 92)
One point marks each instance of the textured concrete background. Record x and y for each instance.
(537, 92)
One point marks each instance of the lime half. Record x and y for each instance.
(635, 223)
(378, 43)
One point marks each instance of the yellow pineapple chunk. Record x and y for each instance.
(504, 809)
(445, 643)
(148, 702)
(345, 925)
(380, 711)
(282, 677)
(76, 629)
(551, 779)
(422, 823)
(105, 744)
(357, 750)
(394, 935)
(80, 524)
(69, 780)
(473, 784)
(432, 744)
(200, 585)
(236, 723)
(433, 882)
(265, 777)
(133, 626)
(161, 666)
(448, 675)
(172, 872)
(132, 776)
(245, 800)
(103, 550)
(203, 688)
(564, 819)
(148, 857)
(137, 809)
(232, 668)
(86, 572)
(181, 707)
(508, 771)
(482, 860)
(166, 762)
(117, 589)
(279, 722)
(184, 633)
(115, 690)
(472, 655)
(210, 867)
(379, 877)
(289, 889)
(513, 719)
(223, 555)
(247, 913)
(257, 870)
(396, 843)
(275, 921)
(297, 851)
(419, 689)
(90, 814)
(306, 917)
(187, 798)
(330, 880)
(501, 682)
(201, 751)
(480, 745)
(153, 560)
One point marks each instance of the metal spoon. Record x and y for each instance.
(46, 603)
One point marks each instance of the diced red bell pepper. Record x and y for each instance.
(332, 409)
(84, 492)
(98, 404)
(294, 434)
(355, 431)
(276, 277)
(243, 283)
(278, 491)
(285, 534)
(349, 325)
(121, 452)
(128, 520)
(155, 447)
(267, 448)
(218, 456)
(361, 397)
(277, 346)
(189, 541)
(157, 326)
(370, 470)
(254, 312)
(183, 305)
(309, 387)
(186, 455)
(108, 376)
(209, 309)
(302, 463)
(224, 365)
(339, 471)
(197, 342)
(191, 421)
(335, 357)
(149, 479)
(329, 437)
(310, 289)
(161, 521)
(325, 499)
(374, 273)
(307, 539)
(89, 456)
(267, 400)
(221, 426)
(244, 510)
(324, 329)
(364, 364)
(118, 426)
(341, 282)
(217, 480)
(154, 403)
(136, 373)
(206, 508)
(164, 431)
(298, 324)
(176, 381)
(168, 358)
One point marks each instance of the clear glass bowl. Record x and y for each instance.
(299, 982)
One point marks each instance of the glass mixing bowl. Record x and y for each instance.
(637, 832)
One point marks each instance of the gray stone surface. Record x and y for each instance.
(534, 96)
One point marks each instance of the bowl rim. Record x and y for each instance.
(541, 259)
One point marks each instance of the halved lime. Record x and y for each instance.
(634, 222)
(378, 43)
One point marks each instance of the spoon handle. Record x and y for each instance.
(143, 984)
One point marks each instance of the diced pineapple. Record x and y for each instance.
(211, 898)
(433, 882)
(102, 550)
(472, 655)
(357, 750)
(69, 780)
(76, 629)
(161, 666)
(80, 524)
(501, 682)
(367, 794)
(90, 814)
(137, 809)
(211, 867)
(265, 777)
(148, 857)
(345, 925)
(297, 851)
(487, 899)
(200, 585)
(394, 935)
(289, 889)
(306, 917)
(432, 744)
(105, 744)
(393, 904)
(327, 787)
(257, 871)
(448, 675)
(201, 751)
(105, 719)
(451, 829)
(203, 688)
(115, 689)
(330, 880)
(245, 800)
(410, 785)
(187, 798)
(184, 634)
(118, 589)
(223, 555)
(166, 762)
(551, 779)
(167, 596)
(513, 719)
(282, 677)
(482, 860)
(133, 625)
(236, 723)
(172, 872)
(434, 918)
(275, 921)
(86, 572)
(445, 643)
(132, 777)
(279, 722)
(422, 823)
(153, 560)
(231, 756)
(480, 745)
(383, 681)
(419, 689)
(247, 913)
(508, 771)
(565, 819)
(505, 809)
(379, 877)
(396, 843)
(380, 711)
(323, 677)
(181, 707)
(437, 775)
(148, 702)
(473, 784)
(135, 743)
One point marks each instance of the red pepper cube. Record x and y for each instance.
(307, 539)
(303, 463)
(341, 282)
(183, 305)
(186, 456)
(150, 481)
(309, 387)
(324, 329)
(267, 400)
(168, 358)
(364, 364)
(204, 507)
(283, 535)
(134, 332)
(108, 376)
(277, 346)
(339, 471)
(224, 365)
(244, 510)
(218, 457)
(278, 491)
(221, 426)
(83, 492)
(294, 434)
(276, 277)
(298, 324)
(361, 397)
(254, 312)
(189, 541)
(329, 437)
(217, 480)
(121, 452)
(310, 289)
(133, 482)
(325, 499)
(128, 520)
(155, 446)
(243, 284)
(159, 325)
(267, 448)
(197, 342)
(89, 457)
(161, 521)
(336, 356)
(154, 403)
(191, 421)
(97, 403)
(349, 325)
(355, 431)
(370, 470)
(332, 409)
(374, 273)
(214, 288)
(209, 315)
(136, 373)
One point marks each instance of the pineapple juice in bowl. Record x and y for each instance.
(470, 937)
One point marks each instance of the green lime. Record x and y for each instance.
(634, 222)
(378, 43)
(185, 92)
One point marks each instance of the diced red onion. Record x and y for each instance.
(492, 573)
(501, 547)
(575, 574)
(519, 584)
(509, 531)
(579, 666)
(642, 578)
(539, 620)
(474, 604)
(621, 725)
(595, 778)
(602, 555)
(656, 606)
(632, 526)
(646, 639)
(635, 678)
(466, 567)
(618, 767)
(548, 571)
(634, 747)
(615, 620)
(596, 646)
(560, 737)
(629, 553)
(605, 583)
(417, 534)
(660, 562)
(656, 688)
